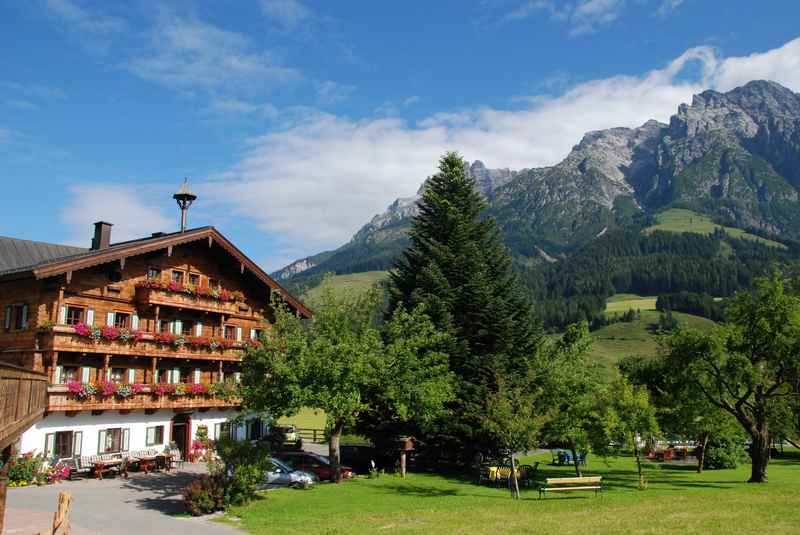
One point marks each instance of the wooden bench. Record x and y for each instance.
(567, 484)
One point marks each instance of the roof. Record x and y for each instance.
(63, 259)
(16, 254)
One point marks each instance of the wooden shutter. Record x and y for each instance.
(62, 315)
(59, 374)
(49, 445)
(131, 376)
(85, 371)
(135, 321)
(177, 327)
(77, 443)
(7, 317)
(24, 322)
(198, 329)
(176, 375)
(90, 317)
(252, 334)
(101, 441)
(238, 334)
(126, 439)
(110, 318)
(197, 375)
(151, 436)
(158, 326)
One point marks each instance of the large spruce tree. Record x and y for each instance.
(459, 268)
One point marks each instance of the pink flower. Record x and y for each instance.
(110, 332)
(175, 287)
(138, 336)
(197, 388)
(82, 329)
(137, 388)
(74, 387)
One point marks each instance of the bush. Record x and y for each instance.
(243, 469)
(723, 453)
(205, 495)
(24, 470)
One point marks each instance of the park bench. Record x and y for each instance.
(567, 484)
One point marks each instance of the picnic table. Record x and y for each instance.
(103, 466)
(147, 463)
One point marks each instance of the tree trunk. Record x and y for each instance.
(759, 454)
(515, 490)
(575, 460)
(638, 461)
(333, 451)
(702, 457)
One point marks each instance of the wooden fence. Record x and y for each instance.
(23, 400)
(311, 435)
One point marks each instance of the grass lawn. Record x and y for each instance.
(618, 340)
(678, 500)
(682, 220)
(306, 419)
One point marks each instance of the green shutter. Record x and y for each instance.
(7, 317)
(24, 321)
(101, 441)
(49, 445)
(126, 439)
(77, 443)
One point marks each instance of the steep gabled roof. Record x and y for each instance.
(15, 254)
(77, 258)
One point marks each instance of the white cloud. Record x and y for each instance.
(667, 7)
(121, 205)
(330, 92)
(21, 104)
(84, 20)
(313, 183)
(287, 13)
(781, 65)
(187, 54)
(583, 17)
(237, 107)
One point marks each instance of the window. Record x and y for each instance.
(63, 444)
(187, 327)
(194, 279)
(155, 435)
(69, 373)
(74, 315)
(222, 430)
(254, 429)
(177, 276)
(122, 320)
(257, 334)
(153, 274)
(230, 332)
(113, 440)
(20, 317)
(116, 375)
(164, 326)
(213, 283)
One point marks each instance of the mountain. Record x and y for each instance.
(733, 156)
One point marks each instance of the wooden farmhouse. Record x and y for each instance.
(140, 340)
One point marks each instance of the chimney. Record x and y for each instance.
(102, 235)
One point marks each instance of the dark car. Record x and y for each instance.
(311, 462)
(360, 457)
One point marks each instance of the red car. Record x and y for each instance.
(313, 463)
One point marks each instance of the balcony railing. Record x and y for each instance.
(60, 398)
(65, 338)
(150, 297)
(22, 401)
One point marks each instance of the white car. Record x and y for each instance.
(282, 475)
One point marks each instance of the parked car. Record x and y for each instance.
(360, 457)
(282, 475)
(311, 462)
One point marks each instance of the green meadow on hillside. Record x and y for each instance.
(682, 220)
(350, 282)
(678, 500)
(638, 337)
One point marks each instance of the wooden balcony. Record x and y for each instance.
(64, 338)
(60, 399)
(23, 399)
(146, 297)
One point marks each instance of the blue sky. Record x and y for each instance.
(297, 121)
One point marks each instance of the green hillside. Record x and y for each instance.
(639, 337)
(682, 220)
(351, 282)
